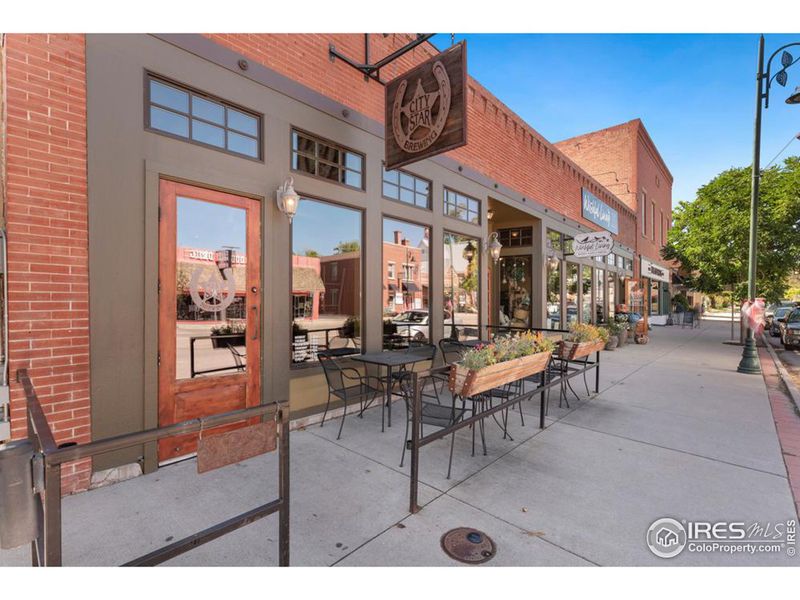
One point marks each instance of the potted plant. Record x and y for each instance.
(612, 328)
(582, 340)
(492, 365)
(229, 334)
(351, 328)
(622, 323)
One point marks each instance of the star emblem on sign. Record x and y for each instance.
(419, 109)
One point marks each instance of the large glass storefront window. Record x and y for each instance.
(326, 279)
(461, 286)
(553, 293)
(654, 289)
(611, 280)
(572, 293)
(406, 284)
(515, 291)
(599, 296)
(586, 294)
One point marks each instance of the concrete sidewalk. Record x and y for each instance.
(675, 432)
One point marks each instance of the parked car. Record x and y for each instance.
(775, 323)
(769, 312)
(790, 329)
(412, 324)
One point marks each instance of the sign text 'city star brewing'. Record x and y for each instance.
(426, 109)
(598, 212)
(594, 243)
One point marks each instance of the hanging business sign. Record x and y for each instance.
(598, 212)
(654, 271)
(594, 243)
(426, 109)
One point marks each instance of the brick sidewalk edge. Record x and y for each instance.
(785, 416)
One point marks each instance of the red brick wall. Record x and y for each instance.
(501, 145)
(652, 178)
(46, 215)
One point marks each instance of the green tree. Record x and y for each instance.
(312, 253)
(710, 236)
(343, 247)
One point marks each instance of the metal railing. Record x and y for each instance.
(546, 382)
(46, 549)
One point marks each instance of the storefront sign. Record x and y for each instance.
(654, 271)
(426, 109)
(594, 243)
(598, 212)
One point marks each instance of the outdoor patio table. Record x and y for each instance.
(390, 359)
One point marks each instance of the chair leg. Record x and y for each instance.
(327, 404)
(405, 439)
(341, 425)
(483, 437)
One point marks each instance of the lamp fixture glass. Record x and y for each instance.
(494, 246)
(469, 252)
(795, 97)
(287, 199)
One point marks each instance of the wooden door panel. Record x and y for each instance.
(193, 281)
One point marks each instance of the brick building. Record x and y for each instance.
(625, 159)
(104, 135)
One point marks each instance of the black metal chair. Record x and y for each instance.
(239, 358)
(346, 384)
(432, 413)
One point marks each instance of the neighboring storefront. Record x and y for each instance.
(657, 278)
(188, 139)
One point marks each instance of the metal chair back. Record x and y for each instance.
(452, 350)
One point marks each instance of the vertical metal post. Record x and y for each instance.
(415, 419)
(52, 515)
(749, 362)
(542, 383)
(283, 484)
(191, 357)
(597, 373)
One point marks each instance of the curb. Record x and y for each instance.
(794, 393)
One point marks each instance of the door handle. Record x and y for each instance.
(254, 335)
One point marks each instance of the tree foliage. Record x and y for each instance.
(710, 236)
(344, 247)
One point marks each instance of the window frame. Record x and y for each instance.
(341, 165)
(468, 197)
(525, 233)
(429, 206)
(192, 91)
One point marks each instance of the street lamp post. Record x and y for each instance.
(749, 362)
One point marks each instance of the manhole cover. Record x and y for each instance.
(468, 545)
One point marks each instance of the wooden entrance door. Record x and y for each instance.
(209, 308)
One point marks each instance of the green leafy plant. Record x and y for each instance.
(229, 328)
(583, 332)
(507, 348)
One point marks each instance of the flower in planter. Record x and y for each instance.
(507, 348)
(230, 328)
(583, 332)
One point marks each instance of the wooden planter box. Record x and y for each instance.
(468, 382)
(230, 339)
(574, 350)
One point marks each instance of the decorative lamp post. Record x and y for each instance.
(749, 362)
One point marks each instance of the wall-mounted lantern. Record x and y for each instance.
(287, 198)
(494, 246)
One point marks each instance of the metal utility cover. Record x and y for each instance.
(468, 545)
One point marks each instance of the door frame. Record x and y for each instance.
(166, 259)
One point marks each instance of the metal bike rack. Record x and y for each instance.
(45, 496)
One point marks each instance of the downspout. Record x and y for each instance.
(5, 407)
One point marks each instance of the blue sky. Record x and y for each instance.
(694, 93)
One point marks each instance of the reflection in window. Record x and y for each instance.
(326, 279)
(515, 236)
(586, 294)
(211, 289)
(554, 240)
(181, 111)
(461, 286)
(327, 160)
(654, 288)
(553, 293)
(599, 303)
(462, 207)
(406, 295)
(572, 292)
(612, 297)
(399, 185)
(515, 291)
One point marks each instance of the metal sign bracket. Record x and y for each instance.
(372, 70)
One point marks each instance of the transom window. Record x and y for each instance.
(462, 207)
(402, 186)
(327, 160)
(517, 236)
(179, 111)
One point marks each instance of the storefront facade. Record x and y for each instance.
(186, 139)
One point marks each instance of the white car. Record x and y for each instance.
(412, 324)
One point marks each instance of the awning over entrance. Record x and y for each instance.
(306, 279)
(410, 286)
(392, 287)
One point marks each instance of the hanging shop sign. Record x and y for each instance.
(598, 212)
(594, 243)
(426, 109)
(654, 271)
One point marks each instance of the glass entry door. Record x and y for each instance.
(209, 308)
